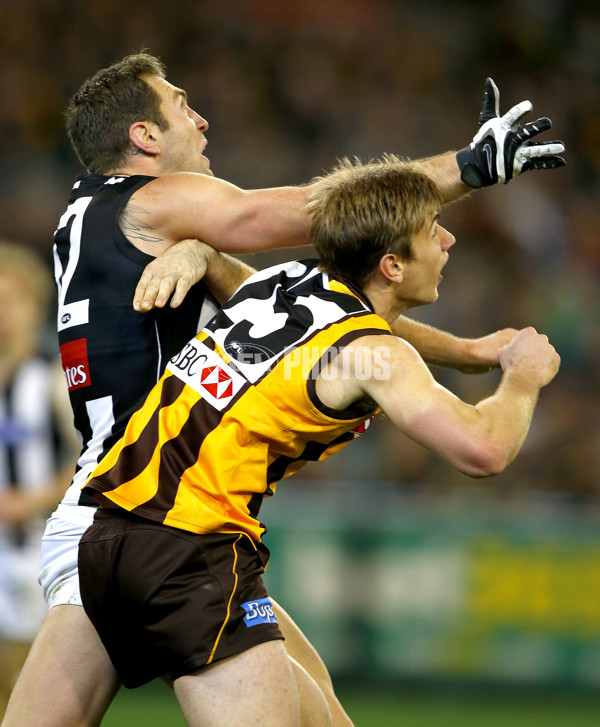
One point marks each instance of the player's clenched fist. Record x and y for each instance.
(531, 355)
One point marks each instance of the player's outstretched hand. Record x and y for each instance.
(172, 274)
(502, 148)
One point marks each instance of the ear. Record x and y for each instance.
(391, 267)
(143, 135)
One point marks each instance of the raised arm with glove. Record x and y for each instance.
(502, 148)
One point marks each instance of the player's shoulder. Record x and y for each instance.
(180, 182)
(181, 191)
(396, 348)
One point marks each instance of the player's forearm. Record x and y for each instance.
(224, 275)
(506, 417)
(438, 347)
(482, 440)
(444, 171)
(265, 219)
(435, 346)
(469, 355)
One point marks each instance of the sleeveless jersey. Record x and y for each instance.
(111, 354)
(31, 440)
(236, 410)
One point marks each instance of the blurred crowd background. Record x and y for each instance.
(288, 86)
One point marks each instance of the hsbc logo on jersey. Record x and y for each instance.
(207, 373)
(74, 358)
(217, 382)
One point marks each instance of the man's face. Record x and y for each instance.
(184, 140)
(422, 274)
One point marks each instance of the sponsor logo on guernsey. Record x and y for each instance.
(258, 612)
(206, 372)
(75, 364)
(73, 314)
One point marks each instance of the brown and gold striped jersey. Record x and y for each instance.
(236, 410)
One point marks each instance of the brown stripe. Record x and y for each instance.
(180, 453)
(134, 458)
(177, 455)
(311, 453)
(357, 409)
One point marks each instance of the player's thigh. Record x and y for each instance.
(302, 651)
(314, 710)
(256, 686)
(68, 679)
(300, 648)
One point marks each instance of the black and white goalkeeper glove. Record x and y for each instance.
(502, 149)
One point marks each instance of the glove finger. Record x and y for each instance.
(547, 148)
(533, 128)
(491, 102)
(544, 163)
(513, 116)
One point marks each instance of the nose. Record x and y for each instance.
(447, 238)
(201, 123)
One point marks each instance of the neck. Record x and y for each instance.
(382, 295)
(135, 164)
(123, 171)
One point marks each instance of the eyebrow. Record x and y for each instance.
(180, 94)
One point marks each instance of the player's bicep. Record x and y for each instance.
(418, 405)
(226, 217)
(181, 206)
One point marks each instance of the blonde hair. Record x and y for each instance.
(361, 212)
(30, 268)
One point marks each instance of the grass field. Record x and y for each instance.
(155, 706)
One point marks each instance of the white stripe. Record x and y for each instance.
(75, 313)
(34, 455)
(102, 419)
(159, 351)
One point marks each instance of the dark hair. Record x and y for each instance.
(360, 212)
(99, 115)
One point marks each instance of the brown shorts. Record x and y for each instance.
(166, 602)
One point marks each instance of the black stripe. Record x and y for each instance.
(11, 449)
(311, 453)
(277, 360)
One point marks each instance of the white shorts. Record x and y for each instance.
(58, 576)
(22, 608)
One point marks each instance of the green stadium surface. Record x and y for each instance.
(155, 706)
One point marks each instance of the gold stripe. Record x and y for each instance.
(212, 653)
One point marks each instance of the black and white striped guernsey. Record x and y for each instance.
(31, 439)
(111, 354)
